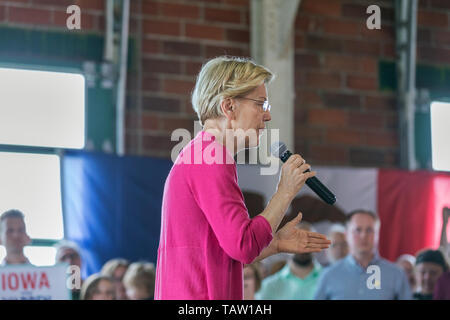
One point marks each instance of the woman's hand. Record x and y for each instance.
(291, 239)
(293, 176)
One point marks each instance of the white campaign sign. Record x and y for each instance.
(27, 282)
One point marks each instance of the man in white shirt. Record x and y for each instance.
(14, 237)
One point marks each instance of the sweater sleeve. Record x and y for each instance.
(215, 189)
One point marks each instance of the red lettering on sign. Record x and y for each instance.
(44, 281)
(16, 281)
(24, 281)
(28, 279)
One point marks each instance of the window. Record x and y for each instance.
(41, 108)
(40, 112)
(440, 133)
(38, 255)
(31, 183)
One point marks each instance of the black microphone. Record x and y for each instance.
(280, 150)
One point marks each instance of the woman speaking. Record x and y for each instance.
(206, 232)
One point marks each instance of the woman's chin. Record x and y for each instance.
(261, 132)
(253, 144)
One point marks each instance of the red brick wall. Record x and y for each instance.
(177, 37)
(341, 116)
(51, 14)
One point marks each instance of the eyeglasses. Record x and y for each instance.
(264, 104)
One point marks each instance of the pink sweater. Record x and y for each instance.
(206, 233)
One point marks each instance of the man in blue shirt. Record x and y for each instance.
(363, 274)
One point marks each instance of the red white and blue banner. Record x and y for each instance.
(112, 205)
(409, 204)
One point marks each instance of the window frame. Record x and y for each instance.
(444, 100)
(39, 242)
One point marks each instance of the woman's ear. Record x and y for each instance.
(227, 107)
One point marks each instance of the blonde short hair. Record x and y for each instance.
(110, 266)
(90, 285)
(225, 77)
(141, 275)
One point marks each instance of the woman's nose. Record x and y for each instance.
(267, 116)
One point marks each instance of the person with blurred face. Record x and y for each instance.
(98, 287)
(14, 237)
(252, 280)
(430, 265)
(69, 252)
(407, 262)
(339, 246)
(363, 274)
(116, 269)
(139, 281)
(297, 280)
(362, 236)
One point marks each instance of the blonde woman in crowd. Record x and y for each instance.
(116, 269)
(139, 281)
(98, 287)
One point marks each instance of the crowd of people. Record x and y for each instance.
(118, 279)
(345, 275)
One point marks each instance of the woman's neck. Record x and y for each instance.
(223, 134)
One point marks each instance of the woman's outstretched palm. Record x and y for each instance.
(292, 239)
